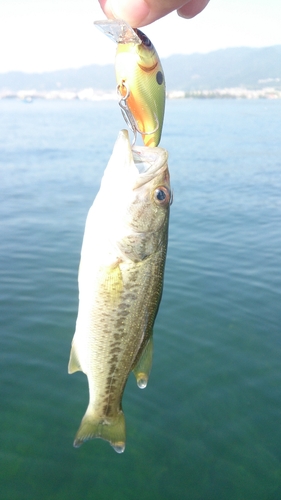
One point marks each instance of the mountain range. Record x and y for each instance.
(251, 68)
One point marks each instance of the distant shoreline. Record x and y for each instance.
(233, 73)
(90, 94)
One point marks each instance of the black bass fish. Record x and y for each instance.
(140, 79)
(120, 284)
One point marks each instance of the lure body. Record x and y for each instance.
(140, 80)
(139, 71)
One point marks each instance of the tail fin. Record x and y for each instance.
(112, 429)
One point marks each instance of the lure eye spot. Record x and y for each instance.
(159, 77)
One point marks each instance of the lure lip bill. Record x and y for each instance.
(118, 30)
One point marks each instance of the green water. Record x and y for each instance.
(207, 427)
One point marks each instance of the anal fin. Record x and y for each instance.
(74, 364)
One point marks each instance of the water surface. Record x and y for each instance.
(208, 424)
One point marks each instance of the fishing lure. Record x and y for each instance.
(140, 80)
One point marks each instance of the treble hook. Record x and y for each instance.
(128, 115)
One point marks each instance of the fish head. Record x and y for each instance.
(136, 185)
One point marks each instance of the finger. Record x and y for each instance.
(133, 12)
(139, 13)
(192, 8)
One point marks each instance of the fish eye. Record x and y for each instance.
(145, 40)
(162, 195)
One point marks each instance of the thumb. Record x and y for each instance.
(134, 13)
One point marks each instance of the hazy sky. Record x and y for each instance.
(46, 35)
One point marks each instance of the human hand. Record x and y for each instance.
(139, 13)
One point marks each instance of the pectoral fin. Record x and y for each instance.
(143, 366)
(111, 281)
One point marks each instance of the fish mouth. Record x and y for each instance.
(133, 167)
(147, 161)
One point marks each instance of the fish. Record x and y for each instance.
(140, 79)
(120, 282)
